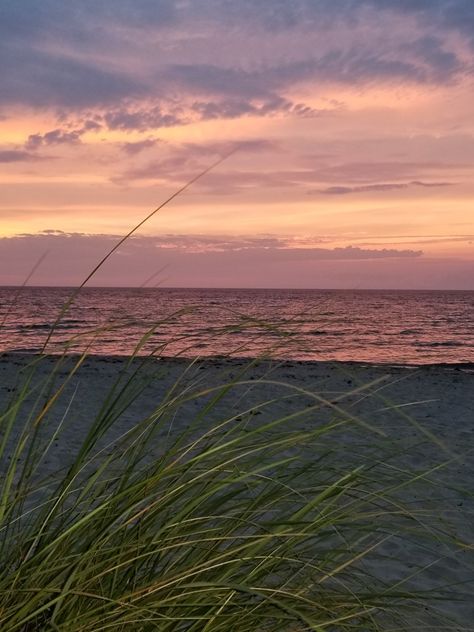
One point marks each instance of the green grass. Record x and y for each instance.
(230, 521)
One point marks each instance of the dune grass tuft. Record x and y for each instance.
(206, 513)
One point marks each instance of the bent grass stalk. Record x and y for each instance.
(127, 236)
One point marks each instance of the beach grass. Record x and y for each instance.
(207, 516)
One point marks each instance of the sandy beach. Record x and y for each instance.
(427, 412)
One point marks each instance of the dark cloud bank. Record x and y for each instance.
(188, 258)
(199, 260)
(38, 75)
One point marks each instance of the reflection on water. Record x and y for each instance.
(370, 326)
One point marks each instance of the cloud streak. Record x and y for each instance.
(134, 148)
(16, 155)
(225, 261)
(380, 187)
(186, 159)
(222, 261)
(261, 246)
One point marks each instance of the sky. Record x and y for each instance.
(347, 128)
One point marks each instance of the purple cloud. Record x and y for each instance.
(61, 136)
(72, 79)
(142, 118)
(54, 137)
(188, 158)
(369, 188)
(226, 261)
(235, 108)
(133, 148)
(16, 155)
(168, 114)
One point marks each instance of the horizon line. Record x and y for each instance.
(236, 288)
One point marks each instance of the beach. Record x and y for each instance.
(426, 412)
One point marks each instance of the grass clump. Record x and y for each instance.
(219, 508)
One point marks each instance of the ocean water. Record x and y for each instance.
(401, 327)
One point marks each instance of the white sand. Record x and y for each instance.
(440, 399)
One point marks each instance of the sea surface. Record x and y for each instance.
(398, 327)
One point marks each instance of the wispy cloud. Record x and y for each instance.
(17, 155)
(185, 159)
(376, 188)
(134, 148)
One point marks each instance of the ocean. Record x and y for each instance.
(378, 326)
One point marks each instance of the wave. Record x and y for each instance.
(325, 332)
(444, 343)
(64, 324)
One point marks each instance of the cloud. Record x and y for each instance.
(16, 155)
(31, 20)
(364, 173)
(431, 52)
(423, 240)
(341, 190)
(85, 55)
(187, 159)
(221, 148)
(428, 185)
(169, 114)
(259, 246)
(454, 15)
(59, 136)
(361, 174)
(237, 107)
(133, 148)
(225, 261)
(142, 119)
(165, 168)
(289, 15)
(369, 188)
(54, 137)
(419, 61)
(39, 79)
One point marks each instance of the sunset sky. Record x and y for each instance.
(352, 122)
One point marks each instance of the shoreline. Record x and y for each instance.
(212, 359)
